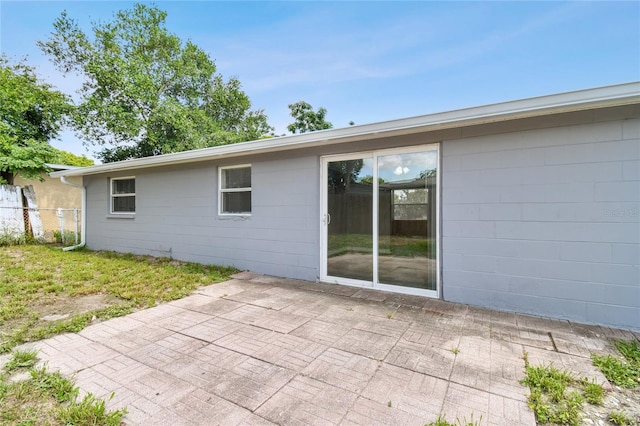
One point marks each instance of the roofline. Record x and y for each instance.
(61, 166)
(601, 97)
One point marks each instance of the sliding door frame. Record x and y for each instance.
(324, 220)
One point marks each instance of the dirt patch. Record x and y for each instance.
(60, 307)
(16, 254)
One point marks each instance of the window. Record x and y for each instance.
(410, 204)
(235, 190)
(123, 195)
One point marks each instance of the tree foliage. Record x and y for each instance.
(306, 119)
(69, 159)
(342, 174)
(31, 113)
(146, 92)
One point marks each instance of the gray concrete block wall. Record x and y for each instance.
(545, 222)
(177, 216)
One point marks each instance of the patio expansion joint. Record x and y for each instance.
(467, 385)
(558, 351)
(194, 337)
(272, 395)
(553, 342)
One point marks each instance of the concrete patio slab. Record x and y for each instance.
(259, 350)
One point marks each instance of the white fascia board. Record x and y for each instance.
(622, 94)
(61, 166)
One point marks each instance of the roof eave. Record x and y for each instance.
(618, 95)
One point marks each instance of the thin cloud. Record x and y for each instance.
(293, 53)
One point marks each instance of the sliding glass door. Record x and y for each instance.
(380, 220)
(349, 218)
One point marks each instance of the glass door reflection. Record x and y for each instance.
(350, 219)
(407, 219)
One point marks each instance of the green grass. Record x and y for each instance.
(593, 392)
(68, 237)
(442, 421)
(88, 412)
(37, 279)
(21, 359)
(621, 419)
(622, 372)
(617, 371)
(557, 396)
(46, 398)
(630, 350)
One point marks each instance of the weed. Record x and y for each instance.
(621, 419)
(67, 236)
(389, 315)
(21, 359)
(617, 371)
(455, 351)
(48, 398)
(556, 396)
(441, 421)
(90, 411)
(592, 391)
(22, 391)
(630, 349)
(389, 404)
(9, 239)
(57, 386)
(4, 389)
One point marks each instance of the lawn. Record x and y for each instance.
(44, 291)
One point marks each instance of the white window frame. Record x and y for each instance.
(222, 191)
(112, 195)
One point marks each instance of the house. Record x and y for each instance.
(51, 194)
(530, 206)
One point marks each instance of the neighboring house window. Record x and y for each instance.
(410, 204)
(123, 195)
(235, 190)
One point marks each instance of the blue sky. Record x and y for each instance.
(373, 61)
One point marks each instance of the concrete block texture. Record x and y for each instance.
(177, 216)
(558, 200)
(564, 230)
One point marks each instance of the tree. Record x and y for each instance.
(306, 119)
(341, 174)
(69, 159)
(145, 91)
(31, 113)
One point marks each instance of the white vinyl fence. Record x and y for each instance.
(11, 215)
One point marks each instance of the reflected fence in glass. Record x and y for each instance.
(406, 219)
